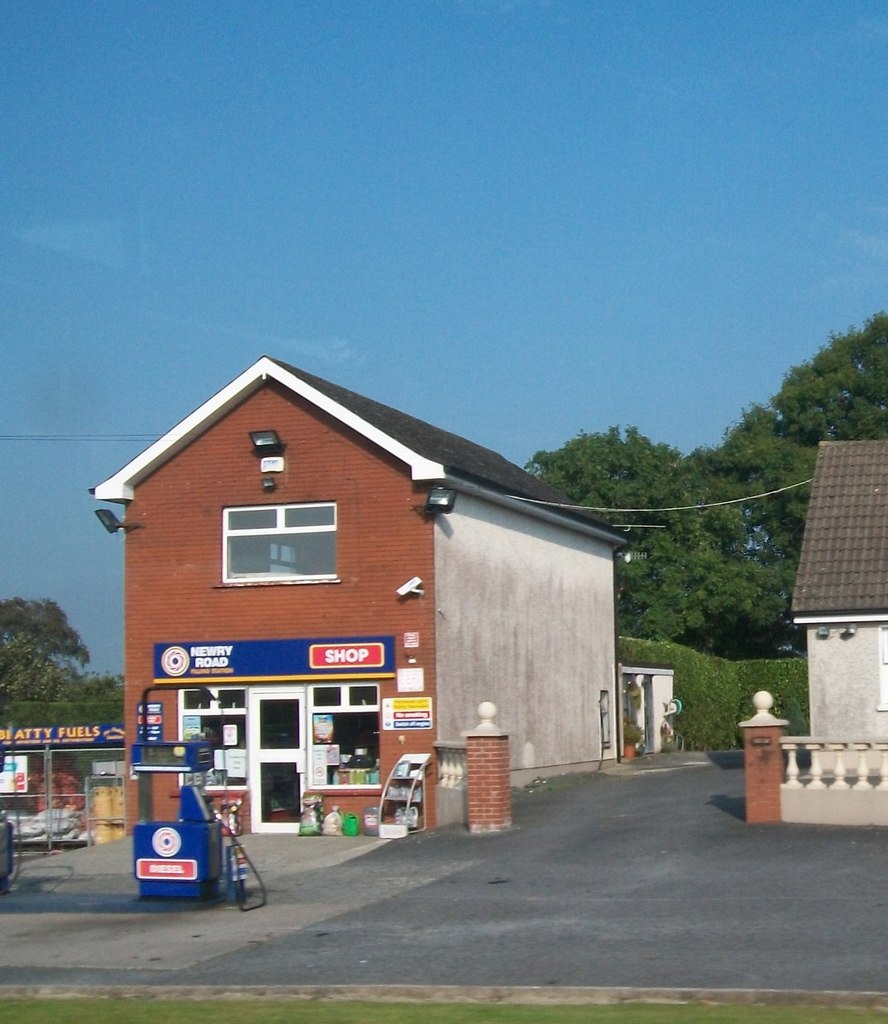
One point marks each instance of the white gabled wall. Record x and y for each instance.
(525, 618)
(848, 682)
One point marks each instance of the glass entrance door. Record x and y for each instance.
(277, 757)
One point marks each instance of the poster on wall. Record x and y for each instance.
(150, 720)
(411, 680)
(14, 777)
(400, 714)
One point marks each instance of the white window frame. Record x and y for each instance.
(282, 531)
(236, 714)
(883, 669)
(344, 707)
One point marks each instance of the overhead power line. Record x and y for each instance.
(79, 437)
(674, 508)
(533, 501)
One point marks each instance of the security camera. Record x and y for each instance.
(412, 586)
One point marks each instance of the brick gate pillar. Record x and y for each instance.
(489, 793)
(763, 761)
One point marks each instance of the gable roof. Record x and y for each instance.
(844, 560)
(432, 454)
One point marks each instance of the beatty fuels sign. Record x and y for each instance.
(63, 736)
(271, 660)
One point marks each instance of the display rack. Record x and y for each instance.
(402, 805)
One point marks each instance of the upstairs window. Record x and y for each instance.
(279, 542)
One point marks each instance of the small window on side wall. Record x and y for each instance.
(883, 669)
(280, 543)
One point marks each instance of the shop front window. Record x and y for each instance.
(222, 722)
(345, 735)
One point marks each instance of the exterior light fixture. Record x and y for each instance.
(823, 632)
(111, 523)
(269, 484)
(266, 442)
(440, 499)
(849, 630)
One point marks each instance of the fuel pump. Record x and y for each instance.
(181, 858)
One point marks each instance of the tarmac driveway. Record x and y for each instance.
(644, 877)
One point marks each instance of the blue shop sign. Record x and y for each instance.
(219, 661)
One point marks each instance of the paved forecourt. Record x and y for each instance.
(639, 879)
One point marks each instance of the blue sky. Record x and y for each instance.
(517, 219)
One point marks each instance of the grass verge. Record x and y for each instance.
(272, 1011)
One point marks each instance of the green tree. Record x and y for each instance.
(41, 654)
(717, 573)
(688, 562)
(45, 626)
(27, 674)
(97, 687)
(841, 394)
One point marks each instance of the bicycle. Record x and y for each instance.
(229, 815)
(238, 865)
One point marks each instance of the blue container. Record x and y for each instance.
(6, 854)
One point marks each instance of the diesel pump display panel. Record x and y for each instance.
(173, 756)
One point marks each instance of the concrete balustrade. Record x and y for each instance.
(811, 780)
(839, 782)
(450, 796)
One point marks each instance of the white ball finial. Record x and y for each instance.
(762, 701)
(487, 711)
(487, 726)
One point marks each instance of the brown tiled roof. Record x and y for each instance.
(459, 456)
(844, 560)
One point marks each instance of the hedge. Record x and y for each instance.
(716, 694)
(24, 713)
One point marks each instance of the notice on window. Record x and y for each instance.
(192, 727)
(402, 713)
(235, 759)
(322, 728)
(319, 766)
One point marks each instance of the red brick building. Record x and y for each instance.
(282, 551)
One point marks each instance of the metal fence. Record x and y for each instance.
(65, 797)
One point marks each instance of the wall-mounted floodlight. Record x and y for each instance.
(823, 632)
(266, 442)
(269, 484)
(111, 523)
(849, 630)
(440, 499)
(412, 586)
